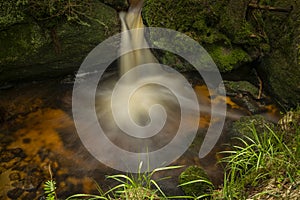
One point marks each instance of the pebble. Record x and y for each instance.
(29, 196)
(14, 176)
(6, 156)
(15, 193)
(19, 152)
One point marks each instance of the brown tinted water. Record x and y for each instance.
(37, 130)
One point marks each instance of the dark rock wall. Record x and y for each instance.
(235, 34)
(30, 50)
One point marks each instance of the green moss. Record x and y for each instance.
(199, 22)
(231, 33)
(241, 86)
(193, 173)
(228, 58)
(281, 64)
(27, 51)
(20, 42)
(242, 127)
(10, 13)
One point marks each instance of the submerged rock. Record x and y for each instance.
(15, 193)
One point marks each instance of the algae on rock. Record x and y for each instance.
(222, 27)
(281, 67)
(193, 173)
(31, 51)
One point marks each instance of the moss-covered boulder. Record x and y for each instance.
(32, 49)
(117, 4)
(235, 87)
(246, 125)
(202, 184)
(222, 27)
(10, 14)
(281, 67)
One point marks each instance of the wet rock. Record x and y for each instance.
(15, 193)
(6, 139)
(2, 115)
(196, 189)
(32, 184)
(26, 140)
(14, 176)
(29, 196)
(236, 87)
(6, 156)
(18, 152)
(117, 4)
(244, 126)
(281, 66)
(247, 96)
(224, 28)
(30, 51)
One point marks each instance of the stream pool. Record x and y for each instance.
(37, 132)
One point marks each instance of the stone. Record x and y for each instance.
(117, 4)
(14, 176)
(244, 126)
(225, 30)
(15, 193)
(6, 156)
(195, 189)
(281, 66)
(29, 51)
(29, 196)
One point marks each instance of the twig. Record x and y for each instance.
(260, 88)
(270, 8)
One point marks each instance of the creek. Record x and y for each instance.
(37, 129)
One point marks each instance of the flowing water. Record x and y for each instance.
(143, 110)
(37, 129)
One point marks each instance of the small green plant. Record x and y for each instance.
(50, 187)
(206, 182)
(138, 186)
(260, 158)
(195, 183)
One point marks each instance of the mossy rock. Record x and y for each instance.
(10, 14)
(117, 4)
(223, 28)
(193, 173)
(281, 67)
(244, 126)
(241, 86)
(28, 51)
(228, 59)
(197, 19)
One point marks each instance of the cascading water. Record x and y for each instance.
(144, 108)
